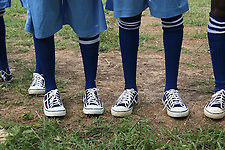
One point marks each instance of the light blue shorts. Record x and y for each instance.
(46, 17)
(158, 8)
(5, 4)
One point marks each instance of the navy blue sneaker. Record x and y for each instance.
(53, 106)
(38, 84)
(215, 109)
(174, 104)
(125, 104)
(92, 104)
(6, 76)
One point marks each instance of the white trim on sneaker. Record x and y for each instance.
(174, 104)
(215, 109)
(53, 106)
(125, 104)
(38, 84)
(92, 104)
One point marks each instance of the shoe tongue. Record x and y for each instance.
(92, 103)
(216, 105)
(121, 104)
(177, 105)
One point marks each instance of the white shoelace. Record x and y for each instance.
(91, 96)
(218, 98)
(126, 97)
(173, 98)
(54, 98)
(38, 81)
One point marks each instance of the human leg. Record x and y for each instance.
(44, 18)
(38, 82)
(216, 36)
(89, 50)
(129, 41)
(129, 14)
(77, 14)
(4, 67)
(45, 53)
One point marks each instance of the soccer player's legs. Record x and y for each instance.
(3, 56)
(89, 49)
(46, 20)
(172, 23)
(216, 36)
(129, 41)
(129, 14)
(87, 20)
(4, 68)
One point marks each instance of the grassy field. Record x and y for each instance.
(30, 130)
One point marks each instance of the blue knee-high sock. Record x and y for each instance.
(3, 54)
(129, 42)
(45, 54)
(38, 67)
(172, 39)
(89, 50)
(216, 37)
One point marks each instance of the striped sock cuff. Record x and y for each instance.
(216, 26)
(89, 40)
(129, 25)
(172, 22)
(2, 12)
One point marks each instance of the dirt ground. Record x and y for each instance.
(110, 82)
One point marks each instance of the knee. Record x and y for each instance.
(218, 8)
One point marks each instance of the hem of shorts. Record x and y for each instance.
(170, 13)
(3, 6)
(89, 33)
(128, 13)
(30, 29)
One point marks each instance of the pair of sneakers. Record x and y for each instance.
(215, 109)
(6, 76)
(123, 107)
(53, 106)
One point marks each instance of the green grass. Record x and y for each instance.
(31, 131)
(198, 13)
(124, 134)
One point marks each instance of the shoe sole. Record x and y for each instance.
(32, 92)
(213, 115)
(54, 113)
(177, 114)
(93, 111)
(121, 113)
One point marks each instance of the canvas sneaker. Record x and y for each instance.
(174, 104)
(53, 106)
(216, 107)
(6, 76)
(38, 84)
(92, 104)
(125, 104)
